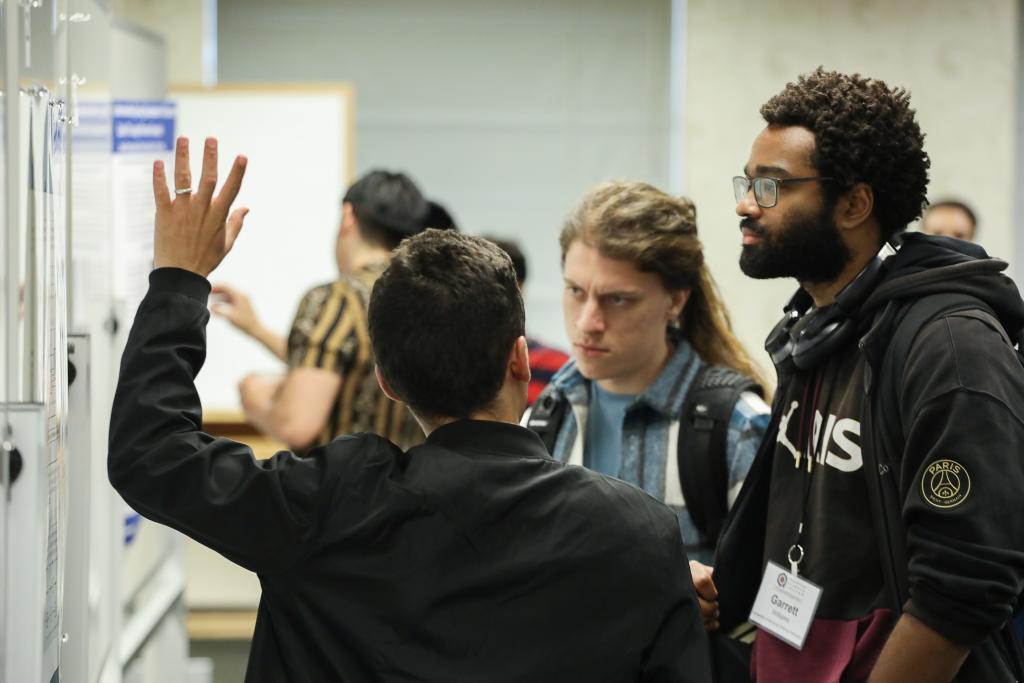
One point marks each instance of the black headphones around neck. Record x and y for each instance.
(806, 336)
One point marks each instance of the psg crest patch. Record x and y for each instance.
(945, 484)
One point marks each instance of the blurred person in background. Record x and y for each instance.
(950, 218)
(545, 360)
(329, 388)
(659, 392)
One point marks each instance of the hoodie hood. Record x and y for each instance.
(926, 264)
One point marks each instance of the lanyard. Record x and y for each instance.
(810, 448)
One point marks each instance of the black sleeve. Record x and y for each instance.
(679, 650)
(259, 514)
(962, 478)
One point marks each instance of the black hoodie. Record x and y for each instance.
(942, 432)
(928, 264)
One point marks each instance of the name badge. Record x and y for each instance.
(785, 605)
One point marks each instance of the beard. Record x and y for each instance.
(808, 248)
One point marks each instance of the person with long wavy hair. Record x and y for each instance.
(646, 326)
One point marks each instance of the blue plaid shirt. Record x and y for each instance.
(650, 435)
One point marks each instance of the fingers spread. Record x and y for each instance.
(160, 194)
(208, 180)
(234, 182)
(234, 226)
(182, 173)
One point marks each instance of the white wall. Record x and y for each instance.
(182, 23)
(957, 59)
(506, 112)
(138, 64)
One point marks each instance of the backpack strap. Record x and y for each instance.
(906, 324)
(701, 449)
(916, 315)
(703, 441)
(547, 416)
(900, 324)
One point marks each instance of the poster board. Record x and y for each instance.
(36, 425)
(299, 140)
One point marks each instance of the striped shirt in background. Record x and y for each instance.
(330, 333)
(650, 435)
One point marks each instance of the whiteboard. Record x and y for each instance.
(300, 144)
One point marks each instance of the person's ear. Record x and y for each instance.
(519, 361)
(384, 386)
(348, 219)
(677, 303)
(854, 206)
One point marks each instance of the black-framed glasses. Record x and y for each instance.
(766, 190)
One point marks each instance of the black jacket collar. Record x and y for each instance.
(494, 438)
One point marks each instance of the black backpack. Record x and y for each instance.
(703, 436)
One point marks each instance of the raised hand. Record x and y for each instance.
(193, 230)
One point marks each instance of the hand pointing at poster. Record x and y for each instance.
(193, 231)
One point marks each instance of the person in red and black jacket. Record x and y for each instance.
(545, 360)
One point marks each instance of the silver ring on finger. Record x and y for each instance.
(182, 190)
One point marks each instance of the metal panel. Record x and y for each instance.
(26, 543)
(34, 347)
(8, 295)
(74, 651)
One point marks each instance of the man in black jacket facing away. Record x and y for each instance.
(473, 557)
(892, 471)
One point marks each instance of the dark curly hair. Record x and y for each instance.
(865, 132)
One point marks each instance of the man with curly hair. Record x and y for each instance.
(890, 476)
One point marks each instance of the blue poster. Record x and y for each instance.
(143, 126)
